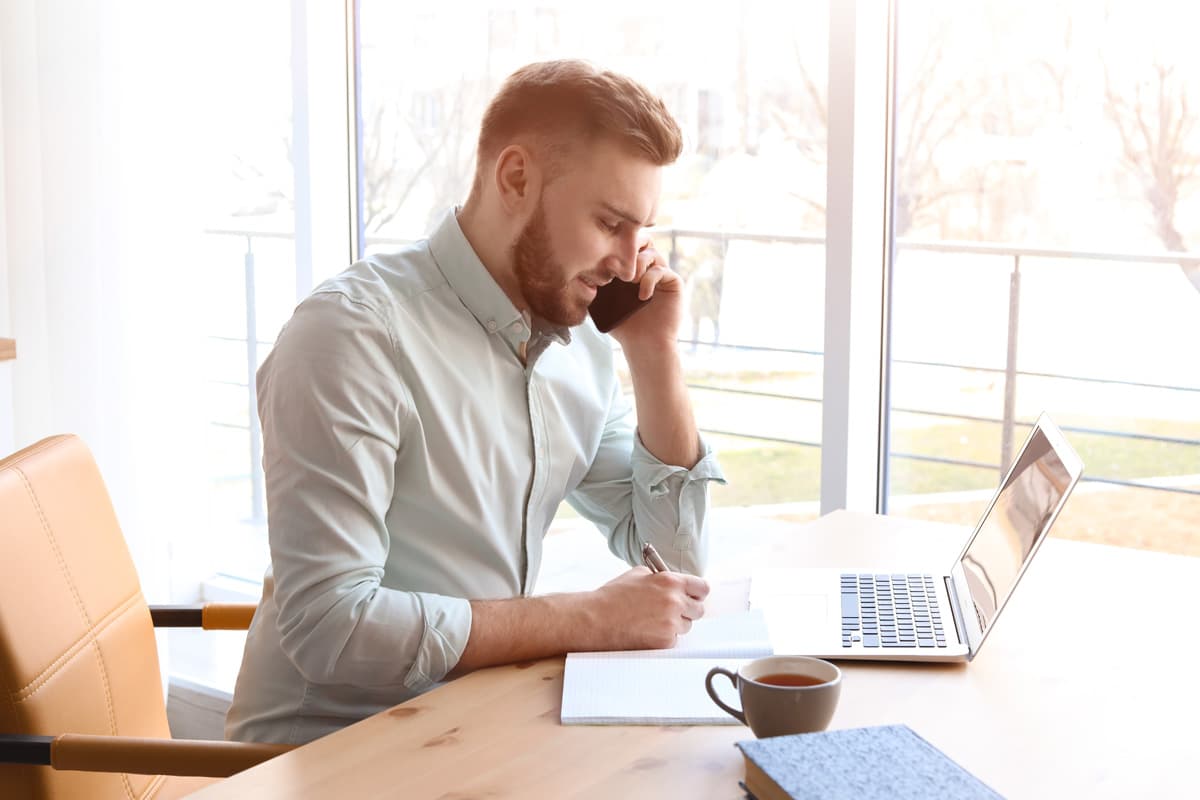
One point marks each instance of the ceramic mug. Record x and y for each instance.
(782, 694)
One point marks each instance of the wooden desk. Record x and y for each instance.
(1086, 688)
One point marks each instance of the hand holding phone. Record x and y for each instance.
(613, 304)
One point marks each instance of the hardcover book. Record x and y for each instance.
(889, 761)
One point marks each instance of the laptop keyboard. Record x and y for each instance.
(890, 611)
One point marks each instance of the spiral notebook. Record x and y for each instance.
(663, 687)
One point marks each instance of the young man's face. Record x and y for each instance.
(585, 230)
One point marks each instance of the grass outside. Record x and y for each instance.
(768, 474)
(762, 474)
(777, 473)
(1121, 516)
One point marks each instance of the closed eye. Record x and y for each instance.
(610, 227)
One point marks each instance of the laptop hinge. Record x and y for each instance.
(955, 611)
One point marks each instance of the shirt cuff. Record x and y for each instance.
(648, 471)
(447, 628)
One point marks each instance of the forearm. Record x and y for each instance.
(666, 423)
(525, 628)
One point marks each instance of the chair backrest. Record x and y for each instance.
(77, 648)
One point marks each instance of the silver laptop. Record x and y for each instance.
(905, 616)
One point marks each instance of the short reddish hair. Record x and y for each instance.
(563, 102)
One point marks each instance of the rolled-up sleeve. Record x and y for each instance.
(334, 412)
(635, 498)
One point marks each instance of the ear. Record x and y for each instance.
(518, 180)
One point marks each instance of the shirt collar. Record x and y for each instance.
(480, 293)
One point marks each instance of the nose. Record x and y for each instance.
(623, 262)
(621, 268)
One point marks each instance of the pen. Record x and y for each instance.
(653, 560)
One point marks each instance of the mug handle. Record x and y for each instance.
(708, 684)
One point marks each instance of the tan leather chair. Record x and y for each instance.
(82, 714)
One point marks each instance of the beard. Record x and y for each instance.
(541, 278)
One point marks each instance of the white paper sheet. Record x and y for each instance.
(663, 687)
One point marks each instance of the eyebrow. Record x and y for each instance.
(626, 216)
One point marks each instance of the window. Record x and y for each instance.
(1033, 189)
(1045, 206)
(742, 213)
(276, 112)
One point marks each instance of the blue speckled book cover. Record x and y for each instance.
(888, 761)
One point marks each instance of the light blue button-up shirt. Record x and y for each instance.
(414, 461)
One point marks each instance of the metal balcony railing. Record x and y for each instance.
(1008, 420)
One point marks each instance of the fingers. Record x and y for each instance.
(695, 587)
(692, 610)
(647, 256)
(692, 586)
(650, 269)
(691, 601)
(650, 280)
(681, 623)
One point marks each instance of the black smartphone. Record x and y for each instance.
(613, 304)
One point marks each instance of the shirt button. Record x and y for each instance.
(516, 327)
(491, 325)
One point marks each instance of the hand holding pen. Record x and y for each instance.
(645, 611)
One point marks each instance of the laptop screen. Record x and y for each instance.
(1027, 502)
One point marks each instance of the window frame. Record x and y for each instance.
(858, 252)
(328, 168)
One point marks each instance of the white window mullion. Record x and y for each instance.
(857, 245)
(322, 140)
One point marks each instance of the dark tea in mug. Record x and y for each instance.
(788, 679)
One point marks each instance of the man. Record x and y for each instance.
(425, 413)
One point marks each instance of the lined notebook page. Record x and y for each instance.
(663, 687)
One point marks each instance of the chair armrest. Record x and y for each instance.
(209, 616)
(22, 749)
(76, 751)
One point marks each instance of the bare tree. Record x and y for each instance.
(451, 153)
(803, 120)
(1160, 146)
(431, 144)
(386, 182)
(929, 112)
(931, 109)
(428, 143)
